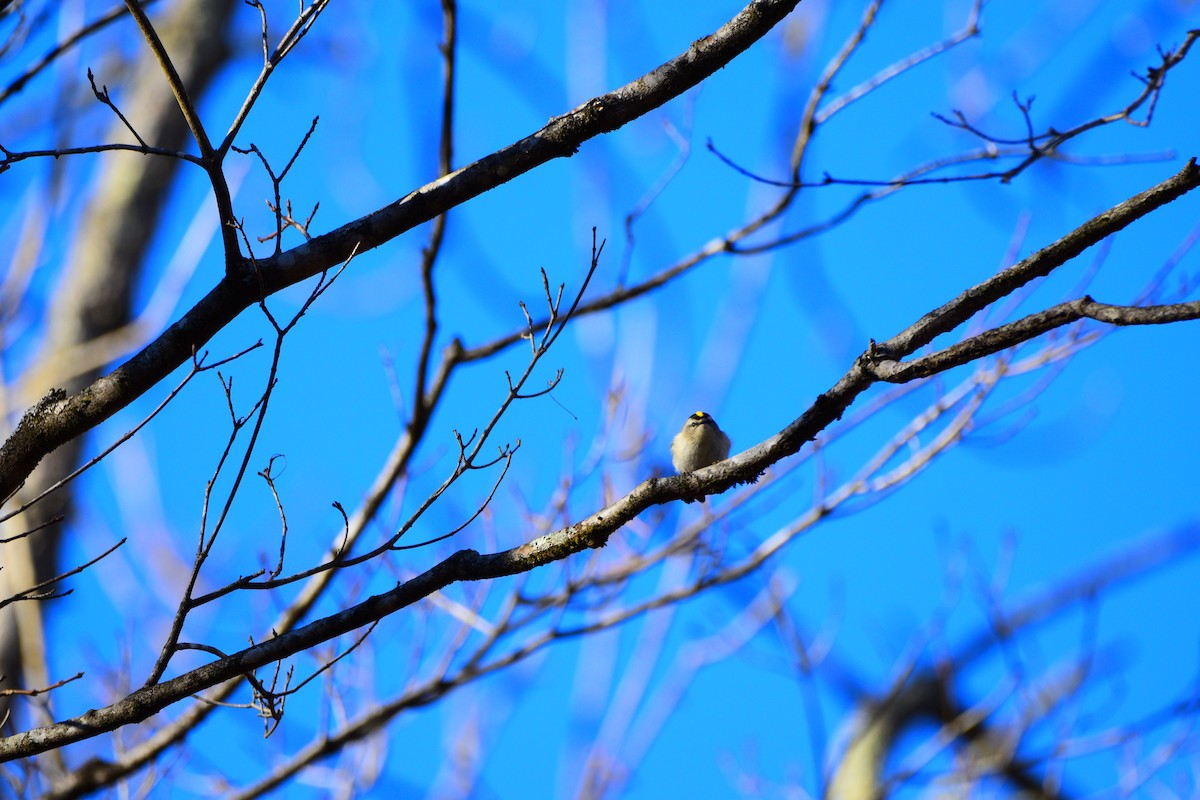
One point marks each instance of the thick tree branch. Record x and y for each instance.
(1043, 262)
(50, 424)
(469, 565)
(1006, 336)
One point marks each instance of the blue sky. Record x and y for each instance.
(1102, 460)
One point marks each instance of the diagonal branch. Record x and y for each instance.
(1026, 328)
(168, 67)
(1043, 262)
(594, 531)
(52, 424)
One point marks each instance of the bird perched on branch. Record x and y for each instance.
(700, 443)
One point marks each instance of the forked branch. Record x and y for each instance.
(594, 531)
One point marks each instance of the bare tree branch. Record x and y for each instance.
(594, 531)
(39, 433)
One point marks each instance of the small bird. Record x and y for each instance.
(700, 443)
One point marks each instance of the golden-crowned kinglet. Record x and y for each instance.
(700, 443)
